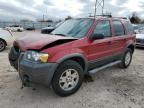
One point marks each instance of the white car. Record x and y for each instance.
(140, 37)
(15, 28)
(6, 39)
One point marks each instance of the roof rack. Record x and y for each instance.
(120, 17)
(109, 16)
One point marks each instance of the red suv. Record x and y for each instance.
(76, 48)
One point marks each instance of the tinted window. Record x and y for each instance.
(129, 27)
(103, 28)
(118, 28)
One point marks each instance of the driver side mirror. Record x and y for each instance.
(96, 37)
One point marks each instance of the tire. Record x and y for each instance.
(125, 61)
(19, 30)
(62, 72)
(2, 45)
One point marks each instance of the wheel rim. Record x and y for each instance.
(69, 79)
(2, 45)
(127, 58)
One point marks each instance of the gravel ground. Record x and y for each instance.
(111, 88)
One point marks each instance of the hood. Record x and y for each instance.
(38, 41)
(140, 36)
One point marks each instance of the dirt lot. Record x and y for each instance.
(111, 88)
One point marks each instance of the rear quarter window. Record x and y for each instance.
(129, 27)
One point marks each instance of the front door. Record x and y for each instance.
(100, 50)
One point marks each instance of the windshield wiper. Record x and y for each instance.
(60, 34)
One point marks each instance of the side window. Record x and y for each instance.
(118, 28)
(103, 28)
(129, 27)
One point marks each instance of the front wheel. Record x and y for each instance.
(2, 45)
(67, 78)
(19, 30)
(126, 59)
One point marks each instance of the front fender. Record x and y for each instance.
(65, 55)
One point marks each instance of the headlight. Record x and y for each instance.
(37, 56)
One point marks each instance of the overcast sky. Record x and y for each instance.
(34, 9)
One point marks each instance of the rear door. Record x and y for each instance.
(100, 50)
(119, 37)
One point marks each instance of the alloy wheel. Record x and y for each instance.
(127, 58)
(2, 45)
(69, 79)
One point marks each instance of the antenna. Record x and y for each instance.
(99, 4)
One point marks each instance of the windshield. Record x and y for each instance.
(76, 28)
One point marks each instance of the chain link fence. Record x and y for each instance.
(36, 25)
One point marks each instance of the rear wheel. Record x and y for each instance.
(2, 45)
(126, 59)
(67, 78)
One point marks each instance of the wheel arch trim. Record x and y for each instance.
(3, 40)
(70, 56)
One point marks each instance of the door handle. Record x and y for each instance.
(109, 42)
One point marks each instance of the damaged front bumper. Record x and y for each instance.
(38, 73)
(31, 72)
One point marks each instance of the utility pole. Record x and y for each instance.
(43, 18)
(95, 8)
(103, 7)
(99, 4)
(90, 14)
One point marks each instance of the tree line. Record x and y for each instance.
(135, 19)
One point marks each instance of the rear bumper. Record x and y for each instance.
(36, 72)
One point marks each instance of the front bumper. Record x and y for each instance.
(140, 44)
(36, 72)
(41, 73)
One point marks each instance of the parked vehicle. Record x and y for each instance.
(6, 39)
(15, 28)
(140, 37)
(78, 47)
(30, 28)
(49, 29)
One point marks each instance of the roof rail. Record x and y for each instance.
(108, 16)
(121, 17)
